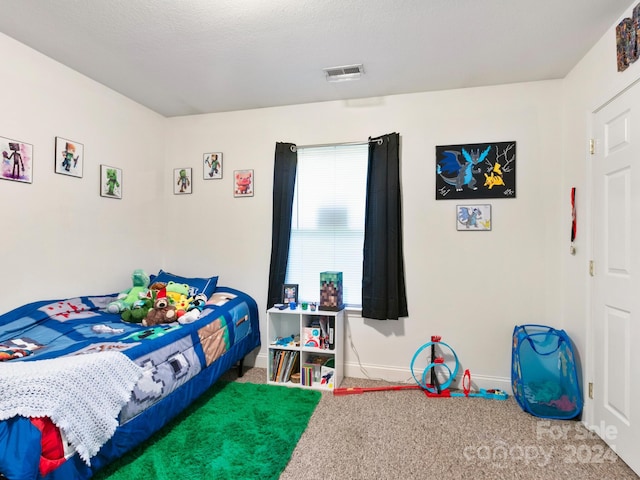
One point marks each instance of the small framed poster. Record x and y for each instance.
(243, 183)
(212, 166)
(110, 182)
(182, 181)
(289, 293)
(17, 160)
(473, 218)
(69, 157)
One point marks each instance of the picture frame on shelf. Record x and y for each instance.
(17, 160)
(182, 184)
(289, 293)
(110, 182)
(69, 157)
(212, 166)
(243, 183)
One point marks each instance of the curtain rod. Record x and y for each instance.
(379, 141)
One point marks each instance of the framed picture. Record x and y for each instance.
(181, 181)
(212, 166)
(17, 160)
(473, 218)
(69, 157)
(476, 171)
(110, 182)
(289, 293)
(243, 183)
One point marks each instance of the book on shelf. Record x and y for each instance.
(274, 362)
(283, 364)
(293, 358)
(279, 373)
(306, 375)
(272, 355)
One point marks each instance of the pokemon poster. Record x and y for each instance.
(476, 171)
(473, 218)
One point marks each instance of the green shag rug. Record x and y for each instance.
(234, 431)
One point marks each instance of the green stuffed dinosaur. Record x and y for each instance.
(138, 311)
(128, 297)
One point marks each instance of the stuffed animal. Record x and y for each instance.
(128, 297)
(155, 286)
(198, 302)
(162, 311)
(138, 311)
(176, 291)
(194, 310)
(182, 305)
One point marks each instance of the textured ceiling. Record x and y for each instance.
(182, 57)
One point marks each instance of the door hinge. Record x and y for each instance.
(592, 268)
(592, 146)
(591, 390)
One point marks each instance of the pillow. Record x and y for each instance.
(198, 285)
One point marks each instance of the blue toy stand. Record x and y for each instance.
(544, 377)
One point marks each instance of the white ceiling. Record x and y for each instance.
(182, 57)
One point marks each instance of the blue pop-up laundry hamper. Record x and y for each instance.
(544, 377)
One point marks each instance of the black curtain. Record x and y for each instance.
(383, 285)
(284, 180)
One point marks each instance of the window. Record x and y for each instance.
(327, 228)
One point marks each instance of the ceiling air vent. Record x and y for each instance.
(347, 72)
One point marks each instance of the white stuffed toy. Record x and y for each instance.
(195, 309)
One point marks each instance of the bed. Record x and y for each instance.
(81, 387)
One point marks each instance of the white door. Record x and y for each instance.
(616, 287)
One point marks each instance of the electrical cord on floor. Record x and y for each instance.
(362, 368)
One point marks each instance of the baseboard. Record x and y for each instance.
(260, 360)
(403, 375)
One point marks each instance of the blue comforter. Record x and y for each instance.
(180, 362)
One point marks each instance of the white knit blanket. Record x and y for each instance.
(82, 394)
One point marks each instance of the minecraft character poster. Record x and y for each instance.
(69, 157)
(17, 160)
(110, 182)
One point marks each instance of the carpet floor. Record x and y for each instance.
(405, 435)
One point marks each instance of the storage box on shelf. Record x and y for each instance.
(305, 348)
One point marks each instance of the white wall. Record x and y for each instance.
(58, 237)
(61, 238)
(593, 82)
(471, 288)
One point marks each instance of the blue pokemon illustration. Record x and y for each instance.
(478, 170)
(458, 174)
(469, 216)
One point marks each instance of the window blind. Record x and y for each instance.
(327, 228)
